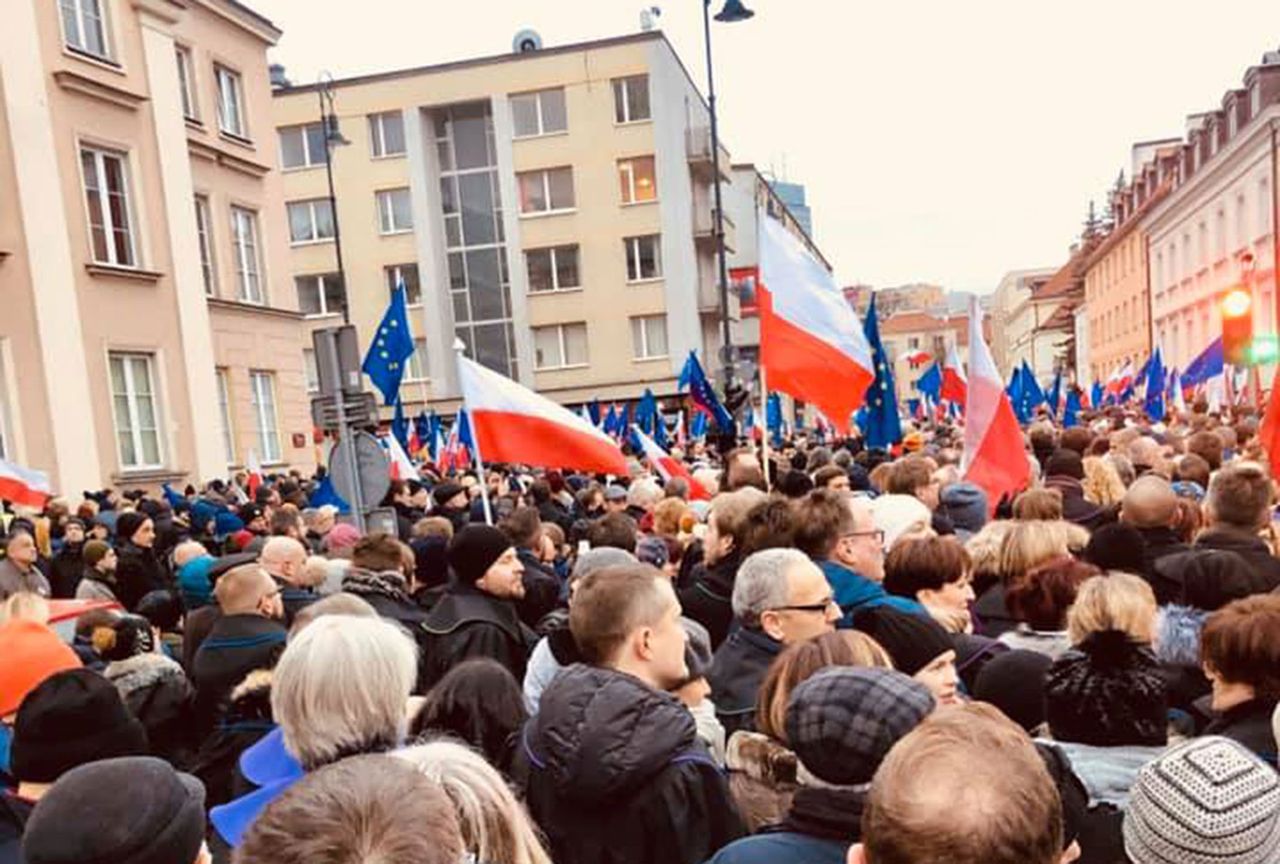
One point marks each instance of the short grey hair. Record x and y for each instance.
(761, 583)
(342, 687)
(644, 492)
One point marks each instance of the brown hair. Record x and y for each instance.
(379, 553)
(362, 809)
(610, 603)
(1043, 596)
(917, 564)
(1239, 496)
(826, 474)
(1208, 447)
(801, 661)
(1038, 504)
(1192, 467)
(523, 526)
(769, 525)
(973, 756)
(729, 512)
(615, 530)
(667, 514)
(433, 526)
(821, 517)
(1189, 520)
(909, 474)
(1241, 643)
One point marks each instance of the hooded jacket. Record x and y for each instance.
(1160, 543)
(613, 772)
(1251, 548)
(854, 592)
(158, 693)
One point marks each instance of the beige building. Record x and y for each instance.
(150, 330)
(553, 209)
(1016, 318)
(935, 332)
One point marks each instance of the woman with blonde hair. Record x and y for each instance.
(1026, 545)
(762, 768)
(496, 827)
(1102, 483)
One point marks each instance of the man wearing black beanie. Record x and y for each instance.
(477, 615)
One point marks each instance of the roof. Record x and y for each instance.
(917, 322)
(1063, 318)
(507, 57)
(1070, 276)
(1124, 230)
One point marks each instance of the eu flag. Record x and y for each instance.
(325, 494)
(391, 347)
(702, 393)
(1153, 401)
(1209, 363)
(881, 425)
(422, 428)
(1031, 391)
(1071, 414)
(698, 425)
(400, 425)
(464, 431)
(1055, 394)
(773, 418)
(930, 383)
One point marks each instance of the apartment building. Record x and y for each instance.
(553, 209)
(935, 332)
(1016, 316)
(150, 332)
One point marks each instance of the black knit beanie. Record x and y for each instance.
(913, 641)
(1109, 692)
(473, 551)
(72, 718)
(127, 524)
(1014, 683)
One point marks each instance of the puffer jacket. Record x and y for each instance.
(614, 773)
(158, 693)
(1177, 647)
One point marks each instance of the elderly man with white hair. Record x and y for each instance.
(780, 597)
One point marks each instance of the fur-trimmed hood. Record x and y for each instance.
(142, 671)
(1178, 635)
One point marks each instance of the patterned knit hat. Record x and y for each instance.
(1209, 801)
(1108, 691)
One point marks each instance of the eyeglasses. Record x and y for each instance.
(820, 606)
(877, 533)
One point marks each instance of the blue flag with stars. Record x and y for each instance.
(698, 425)
(1153, 401)
(702, 393)
(930, 383)
(1071, 414)
(881, 426)
(400, 426)
(391, 347)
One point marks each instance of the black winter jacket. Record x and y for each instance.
(236, 646)
(1249, 724)
(65, 571)
(158, 693)
(614, 773)
(469, 623)
(709, 599)
(737, 670)
(1251, 548)
(1161, 543)
(138, 572)
(541, 589)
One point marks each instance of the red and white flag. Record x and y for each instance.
(402, 467)
(995, 459)
(510, 423)
(811, 341)
(669, 466)
(254, 469)
(454, 455)
(24, 486)
(955, 386)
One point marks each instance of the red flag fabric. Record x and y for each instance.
(23, 485)
(1269, 430)
(994, 453)
(668, 466)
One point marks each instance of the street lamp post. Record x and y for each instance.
(333, 137)
(733, 10)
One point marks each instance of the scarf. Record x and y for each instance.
(826, 813)
(367, 583)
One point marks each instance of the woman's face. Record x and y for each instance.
(939, 675)
(145, 536)
(952, 597)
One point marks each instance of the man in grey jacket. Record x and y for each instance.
(18, 571)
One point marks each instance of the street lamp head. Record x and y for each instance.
(733, 11)
(332, 133)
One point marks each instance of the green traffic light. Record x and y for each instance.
(1265, 349)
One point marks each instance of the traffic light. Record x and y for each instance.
(1237, 326)
(1265, 349)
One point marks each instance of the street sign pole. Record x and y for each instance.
(346, 432)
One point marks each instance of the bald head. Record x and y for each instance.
(242, 590)
(188, 550)
(1149, 503)
(284, 558)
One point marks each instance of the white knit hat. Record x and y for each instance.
(896, 515)
(1208, 801)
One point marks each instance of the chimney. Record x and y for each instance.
(278, 79)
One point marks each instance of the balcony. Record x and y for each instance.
(704, 230)
(697, 145)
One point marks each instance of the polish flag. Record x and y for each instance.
(1269, 429)
(454, 456)
(512, 424)
(402, 467)
(1120, 380)
(24, 486)
(668, 466)
(994, 456)
(811, 342)
(254, 468)
(955, 387)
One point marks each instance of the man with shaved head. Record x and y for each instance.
(1151, 506)
(285, 560)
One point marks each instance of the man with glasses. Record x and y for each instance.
(837, 530)
(779, 598)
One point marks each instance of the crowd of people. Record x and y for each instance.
(814, 652)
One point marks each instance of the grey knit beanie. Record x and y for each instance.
(1208, 801)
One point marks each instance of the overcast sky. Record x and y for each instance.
(940, 141)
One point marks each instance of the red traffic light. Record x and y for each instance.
(1237, 326)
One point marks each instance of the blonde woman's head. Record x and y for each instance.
(1102, 483)
(1113, 601)
(496, 828)
(1031, 543)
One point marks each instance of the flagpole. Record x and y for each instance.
(459, 351)
(764, 406)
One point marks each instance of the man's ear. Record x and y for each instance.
(857, 854)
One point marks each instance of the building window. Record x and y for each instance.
(386, 134)
(649, 337)
(320, 294)
(84, 27)
(539, 113)
(205, 239)
(546, 191)
(395, 212)
(560, 346)
(415, 368)
(244, 242)
(479, 278)
(644, 257)
(262, 397)
(230, 102)
(107, 196)
(1242, 223)
(224, 411)
(310, 221)
(302, 146)
(133, 402)
(186, 82)
(310, 370)
(552, 269)
(631, 99)
(636, 177)
(408, 275)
